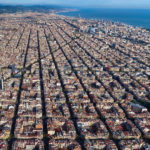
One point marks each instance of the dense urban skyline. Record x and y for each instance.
(73, 84)
(74, 75)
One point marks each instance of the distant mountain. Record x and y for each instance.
(32, 8)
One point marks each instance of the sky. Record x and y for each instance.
(86, 3)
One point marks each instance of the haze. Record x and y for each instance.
(87, 3)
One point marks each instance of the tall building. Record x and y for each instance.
(1, 83)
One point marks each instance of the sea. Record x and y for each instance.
(134, 17)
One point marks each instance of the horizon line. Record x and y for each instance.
(63, 5)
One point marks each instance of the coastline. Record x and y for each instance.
(134, 21)
(106, 20)
(66, 11)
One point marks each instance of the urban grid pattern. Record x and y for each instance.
(71, 84)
